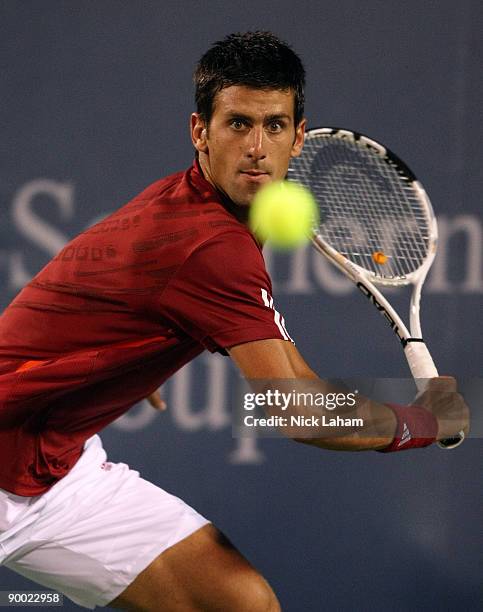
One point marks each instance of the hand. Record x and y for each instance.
(156, 402)
(442, 399)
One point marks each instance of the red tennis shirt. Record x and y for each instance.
(118, 311)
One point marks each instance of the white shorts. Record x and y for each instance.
(93, 532)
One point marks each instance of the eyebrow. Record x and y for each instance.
(274, 117)
(279, 116)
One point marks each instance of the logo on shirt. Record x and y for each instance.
(277, 317)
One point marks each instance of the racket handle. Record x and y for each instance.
(422, 368)
(420, 363)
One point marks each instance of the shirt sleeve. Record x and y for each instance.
(221, 295)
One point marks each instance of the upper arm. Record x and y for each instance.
(270, 359)
(220, 296)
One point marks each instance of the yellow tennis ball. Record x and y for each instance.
(283, 213)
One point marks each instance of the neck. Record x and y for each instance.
(239, 212)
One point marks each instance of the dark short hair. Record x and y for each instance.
(255, 59)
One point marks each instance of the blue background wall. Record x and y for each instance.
(95, 100)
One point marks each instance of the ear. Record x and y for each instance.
(199, 133)
(299, 139)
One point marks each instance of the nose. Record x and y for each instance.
(256, 145)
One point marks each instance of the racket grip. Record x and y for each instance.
(422, 368)
(420, 363)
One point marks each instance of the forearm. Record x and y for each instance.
(347, 443)
(351, 423)
(271, 365)
(377, 432)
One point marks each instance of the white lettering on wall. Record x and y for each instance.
(31, 226)
(304, 272)
(137, 418)
(469, 227)
(185, 409)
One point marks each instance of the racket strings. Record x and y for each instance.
(354, 183)
(370, 208)
(366, 206)
(373, 197)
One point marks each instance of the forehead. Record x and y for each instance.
(252, 102)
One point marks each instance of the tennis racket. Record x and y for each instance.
(376, 225)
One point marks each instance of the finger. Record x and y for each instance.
(161, 405)
(156, 402)
(446, 384)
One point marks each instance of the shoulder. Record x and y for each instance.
(187, 186)
(160, 187)
(230, 245)
(228, 261)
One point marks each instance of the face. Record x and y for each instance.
(249, 141)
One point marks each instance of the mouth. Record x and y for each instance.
(256, 176)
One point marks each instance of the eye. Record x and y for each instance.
(237, 124)
(275, 127)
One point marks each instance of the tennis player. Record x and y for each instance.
(118, 311)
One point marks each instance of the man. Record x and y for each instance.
(119, 310)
